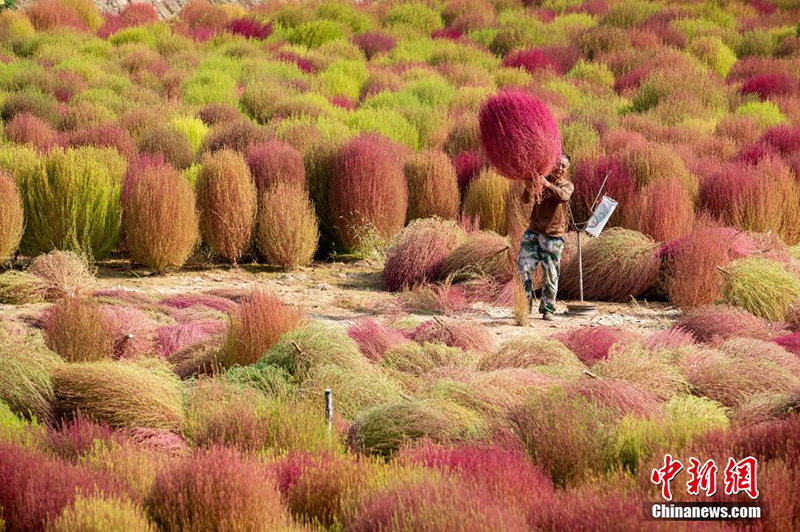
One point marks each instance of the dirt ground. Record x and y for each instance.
(343, 292)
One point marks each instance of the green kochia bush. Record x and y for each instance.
(71, 201)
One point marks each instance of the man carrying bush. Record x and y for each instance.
(544, 239)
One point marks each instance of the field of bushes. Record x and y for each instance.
(303, 131)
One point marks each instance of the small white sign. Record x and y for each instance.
(600, 216)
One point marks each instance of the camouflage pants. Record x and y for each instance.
(538, 248)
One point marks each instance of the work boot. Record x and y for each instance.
(547, 316)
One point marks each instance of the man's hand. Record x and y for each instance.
(545, 183)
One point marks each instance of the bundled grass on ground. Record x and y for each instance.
(760, 286)
(27, 369)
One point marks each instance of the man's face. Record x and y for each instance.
(561, 167)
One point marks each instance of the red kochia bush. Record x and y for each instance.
(216, 489)
(134, 14)
(468, 166)
(227, 199)
(11, 216)
(48, 14)
(367, 191)
(589, 176)
(218, 113)
(461, 334)
(662, 210)
(790, 342)
(591, 344)
(250, 28)
(159, 217)
(275, 162)
(374, 339)
(519, 136)
(105, 136)
(172, 338)
(255, 326)
(36, 487)
(769, 85)
(693, 275)
(26, 128)
(717, 323)
(445, 504)
(77, 437)
(559, 59)
(373, 43)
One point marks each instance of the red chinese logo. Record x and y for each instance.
(664, 475)
(704, 477)
(741, 476)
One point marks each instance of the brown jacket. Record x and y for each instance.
(551, 214)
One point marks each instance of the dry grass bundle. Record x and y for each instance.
(653, 371)
(693, 275)
(671, 338)
(198, 358)
(418, 252)
(11, 216)
(20, 288)
(77, 329)
(441, 298)
(355, 391)
(752, 349)
(287, 232)
(592, 344)
(761, 286)
(63, 273)
(462, 334)
(226, 196)
(386, 428)
(732, 380)
(374, 338)
(620, 265)
(419, 359)
(526, 351)
(432, 186)
(255, 326)
(482, 253)
(620, 396)
(120, 394)
(715, 324)
(25, 380)
(519, 304)
(486, 199)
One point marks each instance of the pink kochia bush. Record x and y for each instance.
(374, 338)
(216, 489)
(159, 217)
(275, 162)
(520, 136)
(591, 344)
(367, 194)
(250, 28)
(766, 86)
(134, 14)
(418, 254)
(172, 338)
(715, 324)
(26, 128)
(36, 486)
(790, 342)
(373, 43)
(558, 59)
(227, 199)
(462, 334)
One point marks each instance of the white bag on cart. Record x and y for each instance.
(600, 216)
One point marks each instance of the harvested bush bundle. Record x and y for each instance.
(133, 331)
(367, 192)
(198, 358)
(527, 351)
(77, 329)
(760, 286)
(419, 359)
(216, 489)
(255, 326)
(71, 201)
(715, 324)
(462, 334)
(432, 186)
(120, 394)
(481, 253)
(418, 253)
(275, 162)
(227, 200)
(519, 136)
(25, 380)
(159, 217)
(374, 339)
(20, 288)
(694, 278)
(172, 338)
(385, 428)
(671, 338)
(287, 233)
(732, 380)
(568, 436)
(653, 371)
(11, 216)
(620, 265)
(751, 349)
(62, 274)
(272, 381)
(486, 199)
(790, 342)
(314, 344)
(101, 513)
(592, 344)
